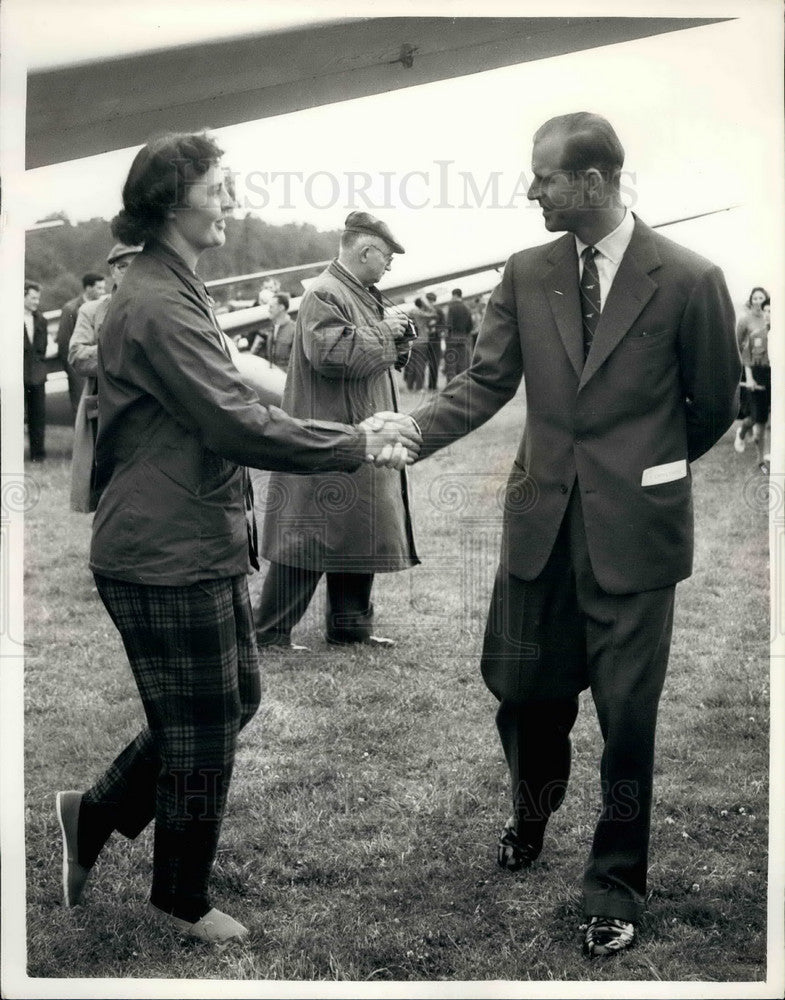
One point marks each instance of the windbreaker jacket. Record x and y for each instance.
(177, 426)
(340, 369)
(658, 389)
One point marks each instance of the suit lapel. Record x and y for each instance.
(560, 282)
(631, 290)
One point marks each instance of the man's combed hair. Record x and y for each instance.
(32, 284)
(590, 141)
(158, 181)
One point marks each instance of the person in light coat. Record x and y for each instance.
(347, 525)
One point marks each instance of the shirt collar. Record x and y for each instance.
(615, 243)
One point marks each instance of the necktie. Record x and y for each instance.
(591, 302)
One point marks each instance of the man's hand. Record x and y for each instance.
(392, 439)
(398, 323)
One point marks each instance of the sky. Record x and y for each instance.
(700, 124)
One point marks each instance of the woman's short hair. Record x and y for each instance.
(757, 288)
(158, 181)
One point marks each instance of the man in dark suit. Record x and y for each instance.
(93, 287)
(458, 348)
(34, 371)
(625, 341)
(281, 337)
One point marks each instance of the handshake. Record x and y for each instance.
(392, 440)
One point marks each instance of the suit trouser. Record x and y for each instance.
(35, 407)
(287, 592)
(434, 357)
(195, 662)
(457, 355)
(546, 640)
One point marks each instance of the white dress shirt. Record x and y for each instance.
(610, 250)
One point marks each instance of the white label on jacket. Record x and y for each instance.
(664, 473)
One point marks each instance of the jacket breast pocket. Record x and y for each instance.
(648, 339)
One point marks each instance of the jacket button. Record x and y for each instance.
(563, 488)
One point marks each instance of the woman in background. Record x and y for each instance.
(752, 335)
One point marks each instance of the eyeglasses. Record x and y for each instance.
(387, 255)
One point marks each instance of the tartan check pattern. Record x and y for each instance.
(192, 650)
(591, 300)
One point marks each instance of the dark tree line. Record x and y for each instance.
(58, 257)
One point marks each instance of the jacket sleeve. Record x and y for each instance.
(709, 362)
(64, 331)
(83, 346)
(338, 348)
(179, 360)
(478, 393)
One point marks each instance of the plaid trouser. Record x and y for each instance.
(193, 653)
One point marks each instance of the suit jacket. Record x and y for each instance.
(34, 363)
(459, 319)
(68, 316)
(279, 344)
(340, 369)
(658, 388)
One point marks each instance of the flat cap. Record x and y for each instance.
(121, 250)
(363, 222)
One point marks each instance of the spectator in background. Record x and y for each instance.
(478, 311)
(34, 371)
(268, 288)
(93, 287)
(414, 372)
(281, 336)
(457, 352)
(83, 358)
(752, 328)
(347, 527)
(752, 334)
(436, 331)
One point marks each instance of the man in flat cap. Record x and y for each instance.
(93, 287)
(83, 359)
(347, 525)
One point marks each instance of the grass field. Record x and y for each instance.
(369, 790)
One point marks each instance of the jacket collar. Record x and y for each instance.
(169, 256)
(631, 290)
(371, 294)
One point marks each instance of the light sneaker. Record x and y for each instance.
(214, 927)
(74, 875)
(738, 442)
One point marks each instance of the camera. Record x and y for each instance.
(410, 333)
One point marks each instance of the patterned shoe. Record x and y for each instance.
(513, 852)
(607, 936)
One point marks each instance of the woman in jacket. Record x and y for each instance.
(172, 540)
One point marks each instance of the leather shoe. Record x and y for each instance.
(380, 641)
(515, 851)
(214, 927)
(74, 875)
(607, 936)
